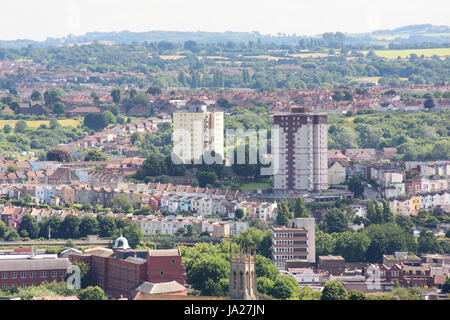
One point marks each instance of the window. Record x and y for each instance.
(14, 275)
(173, 261)
(43, 274)
(4, 275)
(161, 273)
(63, 273)
(32, 274)
(23, 276)
(54, 274)
(4, 286)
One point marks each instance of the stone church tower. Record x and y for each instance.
(242, 284)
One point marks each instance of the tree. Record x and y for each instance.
(335, 221)
(284, 214)
(285, 287)
(59, 108)
(133, 234)
(264, 285)
(204, 178)
(154, 90)
(334, 290)
(92, 293)
(52, 225)
(299, 209)
(387, 214)
(116, 95)
(441, 150)
(121, 203)
(95, 121)
(446, 286)
(325, 243)
(58, 155)
(88, 225)
(21, 126)
(7, 128)
(356, 186)
(345, 138)
(356, 295)
(374, 213)
(191, 46)
(239, 213)
(135, 137)
(11, 235)
(28, 227)
(207, 267)
(106, 225)
(110, 117)
(404, 222)
(427, 243)
(387, 238)
(3, 229)
(255, 238)
(70, 227)
(216, 288)
(95, 155)
(141, 99)
(53, 96)
(352, 246)
(429, 103)
(153, 166)
(265, 268)
(36, 95)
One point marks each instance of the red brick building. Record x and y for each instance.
(408, 275)
(120, 271)
(31, 272)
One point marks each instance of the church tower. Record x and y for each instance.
(242, 284)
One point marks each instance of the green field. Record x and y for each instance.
(37, 123)
(393, 54)
(248, 187)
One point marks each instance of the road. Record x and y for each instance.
(371, 194)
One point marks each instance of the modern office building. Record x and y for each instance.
(294, 243)
(206, 131)
(302, 151)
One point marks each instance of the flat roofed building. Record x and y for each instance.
(32, 271)
(295, 243)
(205, 129)
(335, 265)
(302, 151)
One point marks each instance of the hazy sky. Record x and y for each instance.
(37, 20)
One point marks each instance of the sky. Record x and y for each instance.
(37, 20)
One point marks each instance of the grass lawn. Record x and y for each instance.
(248, 187)
(37, 123)
(393, 54)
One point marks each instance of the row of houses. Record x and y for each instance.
(164, 197)
(263, 211)
(157, 225)
(411, 205)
